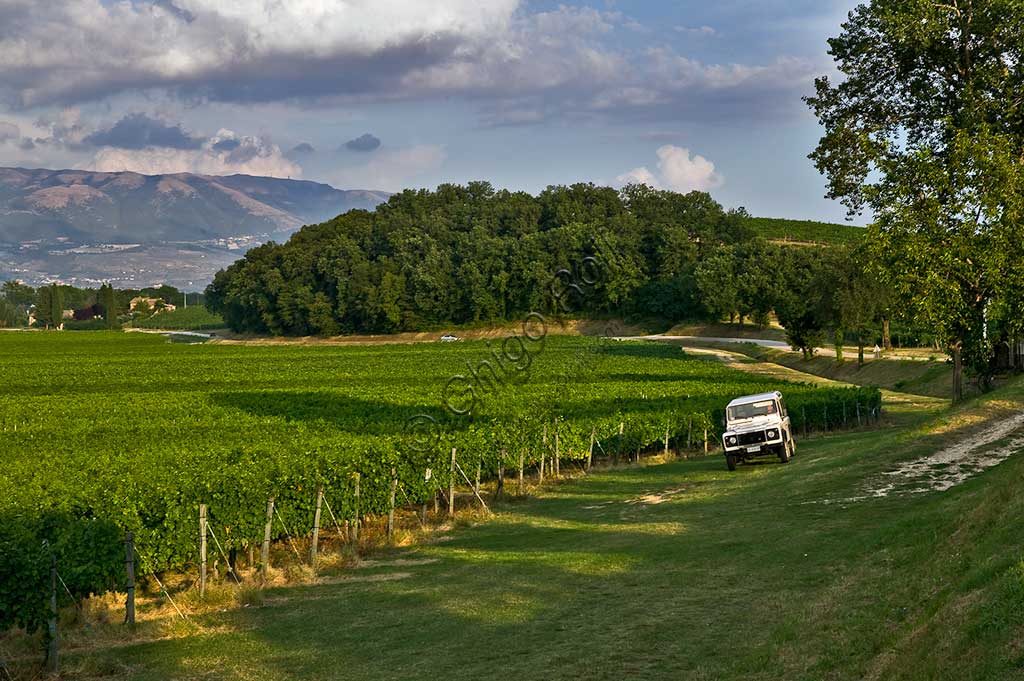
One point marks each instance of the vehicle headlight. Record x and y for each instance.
(731, 439)
(772, 434)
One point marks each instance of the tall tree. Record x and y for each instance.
(108, 301)
(50, 305)
(927, 131)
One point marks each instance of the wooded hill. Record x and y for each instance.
(467, 254)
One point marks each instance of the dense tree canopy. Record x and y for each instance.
(464, 254)
(926, 129)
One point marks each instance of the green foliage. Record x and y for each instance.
(925, 130)
(194, 318)
(89, 555)
(18, 294)
(469, 254)
(806, 231)
(230, 426)
(50, 305)
(86, 325)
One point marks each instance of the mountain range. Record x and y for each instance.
(86, 227)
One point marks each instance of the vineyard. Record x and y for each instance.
(195, 318)
(104, 433)
(807, 231)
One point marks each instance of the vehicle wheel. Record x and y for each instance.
(730, 461)
(785, 453)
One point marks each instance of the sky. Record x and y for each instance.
(391, 94)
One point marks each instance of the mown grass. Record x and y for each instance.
(675, 571)
(933, 378)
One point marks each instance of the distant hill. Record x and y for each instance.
(82, 207)
(806, 231)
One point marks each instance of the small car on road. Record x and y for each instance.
(757, 425)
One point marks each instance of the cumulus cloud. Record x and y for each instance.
(223, 154)
(138, 131)
(392, 170)
(9, 132)
(61, 51)
(696, 30)
(365, 143)
(678, 170)
(520, 65)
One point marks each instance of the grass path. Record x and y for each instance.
(672, 571)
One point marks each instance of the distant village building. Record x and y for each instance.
(67, 314)
(155, 304)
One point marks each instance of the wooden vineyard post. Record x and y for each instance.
(355, 521)
(129, 569)
(590, 452)
(618, 446)
(52, 647)
(858, 414)
(202, 550)
(543, 449)
(391, 504)
(451, 486)
(315, 544)
(265, 551)
(499, 490)
(522, 465)
(689, 431)
(558, 453)
(666, 441)
(705, 440)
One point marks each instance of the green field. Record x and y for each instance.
(676, 571)
(195, 318)
(130, 432)
(673, 571)
(806, 231)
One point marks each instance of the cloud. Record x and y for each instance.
(696, 30)
(64, 130)
(678, 170)
(229, 144)
(300, 151)
(364, 143)
(392, 170)
(245, 50)
(223, 154)
(518, 65)
(138, 131)
(9, 132)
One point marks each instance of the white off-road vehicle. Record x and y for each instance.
(756, 425)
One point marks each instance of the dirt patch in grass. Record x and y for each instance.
(954, 464)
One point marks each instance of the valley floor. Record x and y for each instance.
(673, 571)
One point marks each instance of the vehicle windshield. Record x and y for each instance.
(752, 410)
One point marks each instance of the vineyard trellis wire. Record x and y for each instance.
(254, 431)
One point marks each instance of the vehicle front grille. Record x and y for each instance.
(752, 438)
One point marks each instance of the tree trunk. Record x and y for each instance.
(838, 341)
(958, 372)
(886, 338)
(860, 355)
